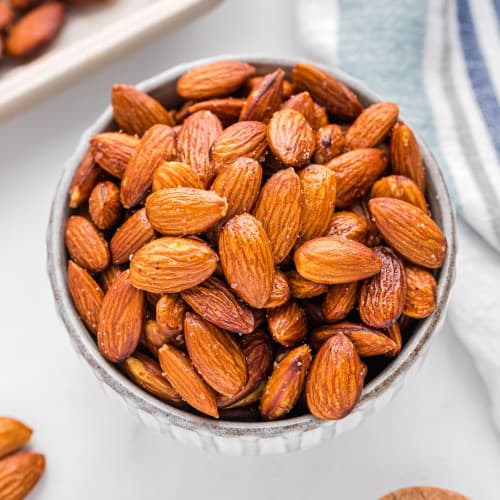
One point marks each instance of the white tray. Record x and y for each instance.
(91, 36)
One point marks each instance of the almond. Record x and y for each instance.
(279, 201)
(285, 384)
(302, 103)
(146, 373)
(335, 380)
(287, 324)
(280, 292)
(320, 116)
(406, 158)
(355, 172)
(13, 435)
(85, 244)
(410, 231)
(6, 16)
(19, 473)
(112, 151)
(194, 140)
(227, 109)
(154, 338)
(214, 79)
(87, 295)
(158, 144)
(172, 174)
(170, 265)
(340, 101)
(216, 356)
(170, 311)
(291, 138)
(315, 316)
(339, 301)
(303, 289)
(215, 303)
(108, 276)
(332, 260)
(360, 208)
(135, 232)
(382, 297)
(254, 82)
(318, 200)
(329, 143)
(121, 320)
(400, 187)
(348, 225)
(247, 259)
(179, 371)
(394, 333)
(421, 290)
(104, 205)
(84, 180)
(135, 112)
(372, 125)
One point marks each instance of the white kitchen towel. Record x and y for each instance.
(439, 60)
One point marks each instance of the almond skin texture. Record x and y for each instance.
(135, 112)
(265, 98)
(372, 125)
(349, 225)
(146, 373)
(104, 205)
(291, 138)
(135, 232)
(35, 30)
(247, 259)
(287, 324)
(280, 292)
(318, 200)
(172, 174)
(406, 158)
(84, 180)
(285, 384)
(170, 312)
(360, 208)
(112, 151)
(85, 244)
(109, 275)
(227, 109)
(400, 187)
(339, 301)
(280, 200)
(329, 143)
(179, 371)
(320, 116)
(86, 294)
(410, 231)
(214, 79)
(382, 297)
(215, 303)
(158, 144)
(355, 172)
(13, 435)
(394, 333)
(121, 320)
(154, 338)
(196, 136)
(19, 473)
(421, 292)
(216, 356)
(303, 289)
(302, 103)
(335, 380)
(170, 265)
(327, 91)
(184, 211)
(332, 260)
(245, 138)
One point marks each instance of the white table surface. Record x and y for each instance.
(437, 431)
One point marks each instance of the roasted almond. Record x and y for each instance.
(320, 116)
(19, 473)
(104, 205)
(109, 275)
(6, 16)
(287, 324)
(84, 180)
(170, 311)
(421, 290)
(13, 435)
(154, 338)
(302, 103)
(301, 288)
(332, 260)
(394, 333)
(329, 143)
(339, 301)
(280, 292)
(172, 174)
(348, 225)
(360, 208)
(226, 109)
(400, 187)
(255, 81)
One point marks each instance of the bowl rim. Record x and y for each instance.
(85, 345)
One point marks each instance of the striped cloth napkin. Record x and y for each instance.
(440, 61)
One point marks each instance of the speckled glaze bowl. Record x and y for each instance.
(237, 438)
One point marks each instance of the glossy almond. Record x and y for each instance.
(334, 383)
(401, 188)
(421, 291)
(382, 297)
(13, 435)
(19, 473)
(287, 324)
(182, 211)
(360, 208)
(121, 320)
(355, 172)
(280, 200)
(301, 288)
(226, 109)
(104, 205)
(291, 138)
(280, 292)
(172, 174)
(158, 144)
(84, 180)
(170, 311)
(410, 231)
(318, 200)
(85, 244)
(320, 116)
(332, 260)
(329, 143)
(169, 265)
(348, 225)
(154, 338)
(372, 125)
(179, 371)
(135, 111)
(109, 275)
(216, 355)
(215, 303)
(86, 294)
(287, 88)
(247, 259)
(394, 333)
(215, 79)
(135, 232)
(340, 101)
(285, 384)
(303, 103)
(339, 301)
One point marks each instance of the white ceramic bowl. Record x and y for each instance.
(242, 438)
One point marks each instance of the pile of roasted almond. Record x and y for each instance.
(241, 255)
